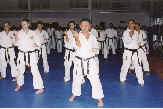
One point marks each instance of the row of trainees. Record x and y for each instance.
(150, 30)
(153, 31)
(55, 32)
(108, 38)
(30, 43)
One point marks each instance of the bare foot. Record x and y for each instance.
(142, 84)
(71, 99)
(14, 79)
(122, 82)
(39, 91)
(130, 71)
(66, 81)
(100, 103)
(17, 88)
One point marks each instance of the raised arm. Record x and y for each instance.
(76, 36)
(66, 36)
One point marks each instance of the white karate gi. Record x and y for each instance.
(25, 44)
(102, 40)
(144, 50)
(131, 57)
(52, 42)
(7, 53)
(119, 38)
(59, 40)
(111, 34)
(69, 54)
(43, 49)
(90, 66)
(53, 38)
(94, 32)
(145, 39)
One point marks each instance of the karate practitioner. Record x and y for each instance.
(7, 53)
(59, 39)
(102, 39)
(142, 49)
(110, 40)
(51, 43)
(94, 32)
(119, 37)
(27, 43)
(53, 30)
(69, 41)
(43, 38)
(131, 53)
(86, 63)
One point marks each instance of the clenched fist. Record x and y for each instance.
(16, 35)
(66, 35)
(76, 36)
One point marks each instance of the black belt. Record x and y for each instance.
(87, 59)
(57, 39)
(141, 47)
(73, 50)
(145, 45)
(46, 44)
(70, 50)
(6, 52)
(108, 38)
(28, 54)
(134, 51)
(102, 43)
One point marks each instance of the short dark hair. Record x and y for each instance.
(5, 22)
(84, 20)
(39, 22)
(71, 22)
(131, 20)
(25, 19)
(137, 24)
(111, 25)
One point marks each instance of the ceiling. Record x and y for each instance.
(151, 7)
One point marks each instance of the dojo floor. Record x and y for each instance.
(57, 93)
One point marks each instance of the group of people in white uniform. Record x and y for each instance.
(81, 50)
(56, 38)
